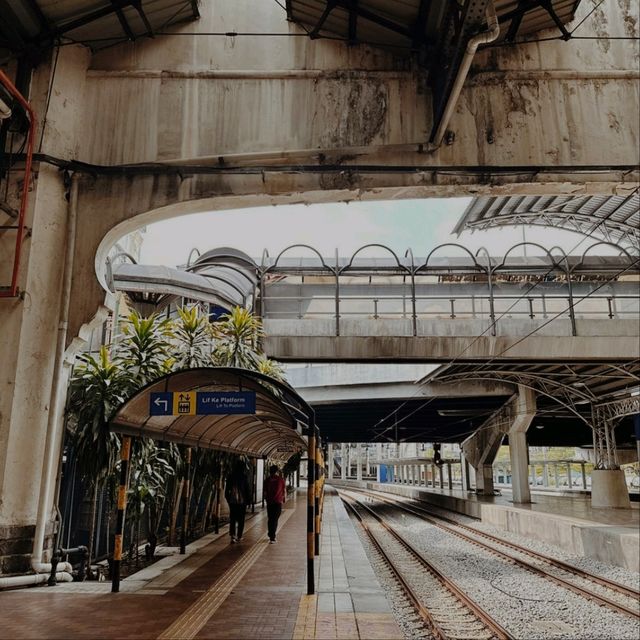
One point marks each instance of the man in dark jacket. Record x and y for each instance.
(238, 494)
(275, 495)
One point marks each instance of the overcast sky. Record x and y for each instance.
(399, 224)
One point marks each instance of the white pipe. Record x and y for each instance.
(482, 38)
(54, 425)
(12, 582)
(45, 567)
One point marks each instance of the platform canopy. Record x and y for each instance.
(226, 409)
(610, 218)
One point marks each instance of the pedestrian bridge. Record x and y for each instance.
(433, 308)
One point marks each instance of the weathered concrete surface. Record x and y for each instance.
(442, 340)
(337, 382)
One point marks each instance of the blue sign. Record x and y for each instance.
(221, 402)
(161, 404)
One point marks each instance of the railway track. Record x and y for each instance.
(610, 594)
(450, 614)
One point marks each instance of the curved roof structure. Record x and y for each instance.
(275, 430)
(610, 218)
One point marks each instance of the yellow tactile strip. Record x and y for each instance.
(306, 622)
(196, 616)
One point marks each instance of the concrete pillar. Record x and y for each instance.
(367, 467)
(344, 461)
(349, 458)
(545, 475)
(30, 324)
(378, 472)
(555, 474)
(484, 479)
(518, 450)
(331, 461)
(583, 471)
(569, 479)
(449, 478)
(465, 470)
(359, 461)
(609, 489)
(441, 475)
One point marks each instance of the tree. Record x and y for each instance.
(235, 340)
(192, 338)
(146, 349)
(98, 386)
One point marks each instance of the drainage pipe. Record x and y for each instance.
(482, 38)
(13, 582)
(54, 425)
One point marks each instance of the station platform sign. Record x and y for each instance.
(201, 403)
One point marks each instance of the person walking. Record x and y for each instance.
(275, 495)
(238, 494)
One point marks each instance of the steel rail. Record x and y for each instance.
(422, 611)
(433, 518)
(496, 629)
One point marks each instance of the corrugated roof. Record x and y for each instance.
(274, 431)
(406, 25)
(610, 218)
(33, 25)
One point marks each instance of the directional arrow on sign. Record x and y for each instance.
(158, 402)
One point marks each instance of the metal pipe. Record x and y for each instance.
(9, 86)
(11, 582)
(55, 403)
(482, 38)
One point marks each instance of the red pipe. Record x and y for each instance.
(12, 292)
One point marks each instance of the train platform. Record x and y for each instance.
(221, 590)
(570, 522)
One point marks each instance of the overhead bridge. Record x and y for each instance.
(434, 309)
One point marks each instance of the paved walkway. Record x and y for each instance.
(248, 590)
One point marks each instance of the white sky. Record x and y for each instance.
(399, 224)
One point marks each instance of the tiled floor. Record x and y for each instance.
(249, 590)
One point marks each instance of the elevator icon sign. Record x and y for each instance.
(184, 403)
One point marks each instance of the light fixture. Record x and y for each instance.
(539, 426)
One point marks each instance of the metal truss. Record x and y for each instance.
(614, 219)
(573, 393)
(605, 417)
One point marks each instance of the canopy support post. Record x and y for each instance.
(311, 457)
(125, 453)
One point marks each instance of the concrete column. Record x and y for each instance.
(423, 475)
(331, 461)
(465, 470)
(484, 479)
(359, 461)
(344, 462)
(555, 474)
(545, 475)
(441, 475)
(584, 475)
(349, 457)
(569, 479)
(449, 478)
(518, 450)
(367, 467)
(30, 324)
(609, 489)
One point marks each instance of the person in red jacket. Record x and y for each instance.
(275, 494)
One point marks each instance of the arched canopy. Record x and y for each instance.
(275, 430)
